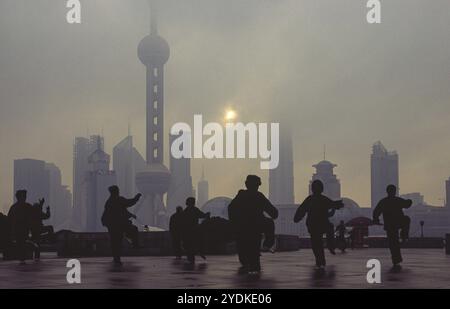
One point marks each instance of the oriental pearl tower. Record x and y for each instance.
(153, 182)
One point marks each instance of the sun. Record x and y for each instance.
(230, 115)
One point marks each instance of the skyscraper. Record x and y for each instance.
(331, 184)
(384, 171)
(180, 181)
(281, 179)
(123, 165)
(202, 191)
(154, 51)
(98, 180)
(82, 149)
(60, 199)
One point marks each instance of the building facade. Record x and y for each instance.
(384, 168)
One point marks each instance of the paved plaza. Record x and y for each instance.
(422, 268)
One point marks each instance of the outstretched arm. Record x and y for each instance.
(301, 211)
(406, 203)
(336, 204)
(131, 202)
(201, 214)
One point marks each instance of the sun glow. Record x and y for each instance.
(230, 115)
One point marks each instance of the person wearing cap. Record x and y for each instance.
(246, 213)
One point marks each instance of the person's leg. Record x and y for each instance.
(21, 250)
(189, 245)
(241, 250)
(176, 245)
(254, 246)
(331, 245)
(317, 247)
(36, 247)
(116, 236)
(394, 246)
(268, 228)
(132, 233)
(404, 231)
(343, 243)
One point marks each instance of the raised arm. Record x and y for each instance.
(131, 202)
(46, 215)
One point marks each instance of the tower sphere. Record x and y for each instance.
(153, 50)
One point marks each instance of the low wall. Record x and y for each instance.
(381, 242)
(71, 244)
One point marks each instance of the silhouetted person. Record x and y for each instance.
(19, 217)
(317, 207)
(176, 231)
(116, 218)
(38, 229)
(246, 213)
(391, 207)
(192, 240)
(340, 230)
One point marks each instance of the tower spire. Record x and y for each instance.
(153, 17)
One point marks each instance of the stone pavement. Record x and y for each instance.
(423, 268)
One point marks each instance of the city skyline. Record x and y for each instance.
(107, 97)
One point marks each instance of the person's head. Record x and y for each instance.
(252, 182)
(21, 195)
(190, 201)
(114, 190)
(317, 187)
(391, 190)
(179, 209)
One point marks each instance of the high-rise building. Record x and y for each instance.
(82, 149)
(154, 52)
(98, 180)
(32, 175)
(331, 184)
(202, 191)
(60, 199)
(123, 165)
(180, 181)
(281, 179)
(384, 172)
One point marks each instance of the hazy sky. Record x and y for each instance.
(314, 63)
